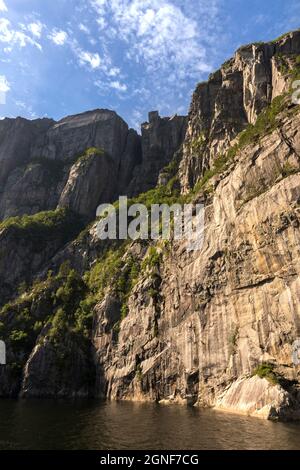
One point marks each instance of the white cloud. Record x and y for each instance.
(136, 119)
(89, 58)
(114, 72)
(4, 88)
(84, 28)
(118, 86)
(14, 37)
(26, 109)
(3, 7)
(21, 104)
(101, 23)
(160, 34)
(4, 85)
(6, 34)
(84, 57)
(58, 36)
(35, 28)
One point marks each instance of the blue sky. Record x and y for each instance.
(61, 57)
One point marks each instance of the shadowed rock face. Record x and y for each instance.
(32, 188)
(25, 250)
(71, 136)
(161, 138)
(16, 139)
(43, 375)
(39, 158)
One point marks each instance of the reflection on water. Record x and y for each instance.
(95, 425)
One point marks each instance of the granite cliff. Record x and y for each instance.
(148, 320)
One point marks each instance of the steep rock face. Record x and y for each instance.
(16, 139)
(217, 312)
(92, 180)
(71, 136)
(25, 248)
(128, 164)
(39, 155)
(58, 371)
(32, 188)
(232, 98)
(161, 138)
(40, 168)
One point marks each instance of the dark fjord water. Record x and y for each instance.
(109, 426)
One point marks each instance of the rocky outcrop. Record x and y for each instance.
(259, 398)
(58, 371)
(70, 137)
(38, 158)
(89, 184)
(161, 138)
(232, 98)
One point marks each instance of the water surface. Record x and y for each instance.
(47, 424)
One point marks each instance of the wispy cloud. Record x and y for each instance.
(35, 28)
(3, 7)
(27, 108)
(4, 88)
(84, 28)
(58, 36)
(118, 86)
(89, 58)
(113, 72)
(136, 119)
(13, 37)
(84, 57)
(4, 85)
(159, 33)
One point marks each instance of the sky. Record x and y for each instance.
(62, 57)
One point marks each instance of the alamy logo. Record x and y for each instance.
(2, 353)
(160, 222)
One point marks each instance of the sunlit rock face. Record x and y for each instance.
(225, 308)
(232, 98)
(235, 303)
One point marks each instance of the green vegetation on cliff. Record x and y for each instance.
(90, 153)
(60, 224)
(266, 371)
(116, 269)
(53, 308)
(266, 123)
